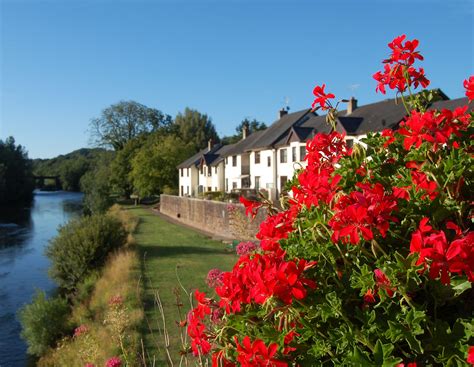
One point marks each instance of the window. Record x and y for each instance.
(187, 169)
(269, 161)
(245, 183)
(257, 157)
(302, 152)
(209, 171)
(293, 154)
(283, 180)
(234, 161)
(215, 188)
(201, 170)
(226, 160)
(182, 170)
(350, 143)
(283, 156)
(187, 190)
(257, 183)
(226, 184)
(182, 190)
(215, 169)
(209, 188)
(234, 185)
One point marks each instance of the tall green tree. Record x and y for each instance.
(16, 175)
(195, 128)
(252, 126)
(96, 186)
(154, 166)
(124, 121)
(122, 165)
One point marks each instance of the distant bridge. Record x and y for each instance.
(40, 182)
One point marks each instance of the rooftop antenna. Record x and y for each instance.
(287, 103)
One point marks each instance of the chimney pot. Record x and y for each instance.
(351, 105)
(282, 113)
(245, 131)
(209, 144)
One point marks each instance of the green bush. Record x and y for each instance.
(43, 322)
(82, 246)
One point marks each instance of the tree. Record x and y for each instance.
(154, 165)
(122, 165)
(124, 121)
(252, 125)
(16, 177)
(71, 172)
(195, 128)
(96, 186)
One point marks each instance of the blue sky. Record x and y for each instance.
(62, 62)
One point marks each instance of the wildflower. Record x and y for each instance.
(114, 362)
(214, 278)
(469, 86)
(116, 300)
(369, 296)
(244, 248)
(82, 329)
(321, 97)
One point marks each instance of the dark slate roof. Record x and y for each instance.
(205, 154)
(452, 104)
(372, 117)
(222, 152)
(278, 129)
(244, 144)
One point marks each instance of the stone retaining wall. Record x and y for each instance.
(211, 216)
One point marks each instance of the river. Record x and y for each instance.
(24, 234)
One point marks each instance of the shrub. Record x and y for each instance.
(371, 260)
(81, 246)
(43, 322)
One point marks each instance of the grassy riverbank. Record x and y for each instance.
(166, 250)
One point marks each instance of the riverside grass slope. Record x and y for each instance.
(163, 247)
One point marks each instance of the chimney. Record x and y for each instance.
(282, 113)
(245, 131)
(351, 105)
(209, 145)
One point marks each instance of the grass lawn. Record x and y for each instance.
(162, 247)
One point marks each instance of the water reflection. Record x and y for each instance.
(24, 234)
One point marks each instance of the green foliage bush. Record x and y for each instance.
(81, 246)
(43, 321)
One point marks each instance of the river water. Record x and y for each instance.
(24, 234)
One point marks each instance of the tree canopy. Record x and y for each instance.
(123, 121)
(195, 128)
(16, 176)
(252, 125)
(154, 166)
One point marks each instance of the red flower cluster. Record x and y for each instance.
(470, 355)
(318, 183)
(244, 248)
(261, 276)
(257, 354)
(399, 72)
(444, 258)
(433, 126)
(275, 228)
(321, 98)
(196, 327)
(214, 278)
(361, 212)
(469, 86)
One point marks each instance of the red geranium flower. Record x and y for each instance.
(470, 355)
(257, 354)
(251, 207)
(321, 97)
(469, 86)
